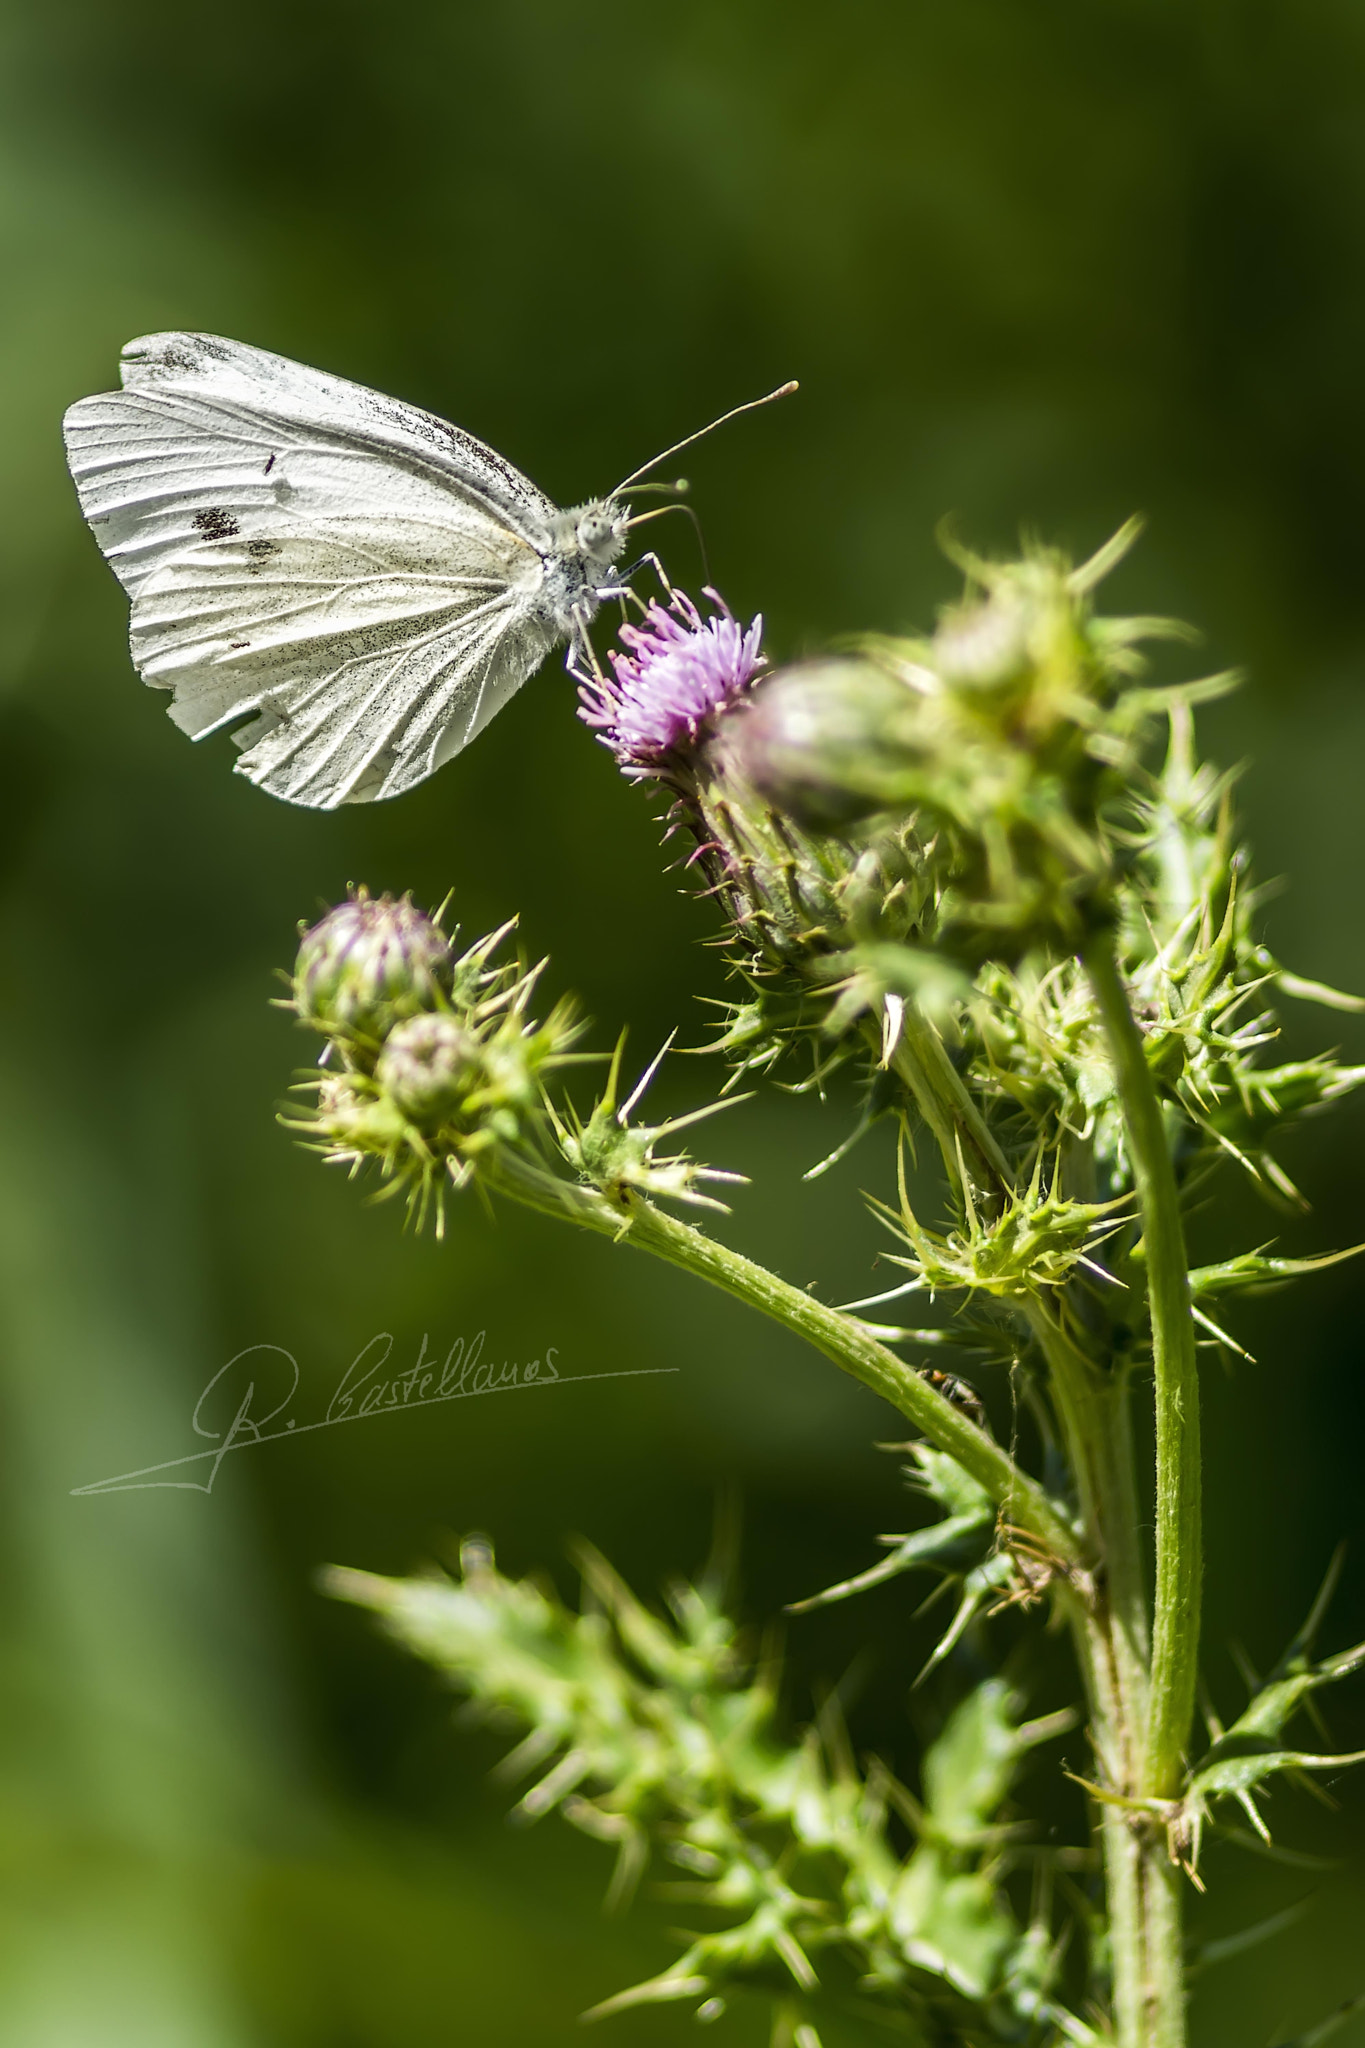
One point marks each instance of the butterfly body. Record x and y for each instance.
(584, 545)
(352, 585)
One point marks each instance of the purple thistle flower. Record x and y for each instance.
(681, 672)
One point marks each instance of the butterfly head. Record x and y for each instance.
(598, 531)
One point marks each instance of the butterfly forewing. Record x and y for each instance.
(208, 366)
(360, 576)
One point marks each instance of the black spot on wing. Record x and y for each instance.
(183, 352)
(173, 357)
(215, 524)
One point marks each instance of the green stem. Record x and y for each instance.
(943, 1100)
(1111, 1635)
(1114, 1735)
(1179, 1558)
(1142, 1885)
(626, 1216)
(1092, 1407)
(1107, 1606)
(1146, 1728)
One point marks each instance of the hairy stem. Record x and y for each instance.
(1148, 1728)
(626, 1216)
(1092, 1407)
(944, 1101)
(1108, 1607)
(1112, 1643)
(1179, 1555)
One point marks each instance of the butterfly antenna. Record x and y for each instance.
(782, 391)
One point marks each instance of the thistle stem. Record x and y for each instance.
(1179, 1558)
(1146, 1728)
(1111, 1634)
(1108, 1607)
(1092, 1406)
(943, 1100)
(626, 1216)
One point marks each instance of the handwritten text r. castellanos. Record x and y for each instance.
(247, 1400)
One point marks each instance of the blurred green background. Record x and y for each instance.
(1035, 265)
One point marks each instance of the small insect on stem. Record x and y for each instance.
(960, 1392)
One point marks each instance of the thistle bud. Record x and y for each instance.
(1002, 742)
(444, 1070)
(427, 1065)
(986, 646)
(830, 742)
(368, 964)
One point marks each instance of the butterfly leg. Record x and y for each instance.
(625, 594)
(574, 667)
(650, 561)
(580, 642)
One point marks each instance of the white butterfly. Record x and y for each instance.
(365, 583)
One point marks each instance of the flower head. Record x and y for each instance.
(427, 1063)
(441, 1069)
(369, 962)
(682, 671)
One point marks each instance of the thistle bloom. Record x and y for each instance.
(682, 671)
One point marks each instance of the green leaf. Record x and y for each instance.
(1254, 1272)
(1233, 1769)
(952, 1925)
(653, 1729)
(970, 1768)
(954, 1545)
(1248, 1753)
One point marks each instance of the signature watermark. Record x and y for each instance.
(248, 1399)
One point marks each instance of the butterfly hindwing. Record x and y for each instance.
(348, 653)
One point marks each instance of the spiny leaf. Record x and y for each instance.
(1254, 1271)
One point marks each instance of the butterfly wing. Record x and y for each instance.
(357, 576)
(365, 661)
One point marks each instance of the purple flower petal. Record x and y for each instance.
(681, 672)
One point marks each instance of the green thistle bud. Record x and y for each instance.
(1004, 740)
(353, 1120)
(369, 963)
(444, 1070)
(428, 1063)
(830, 742)
(985, 646)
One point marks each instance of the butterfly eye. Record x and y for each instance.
(597, 532)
